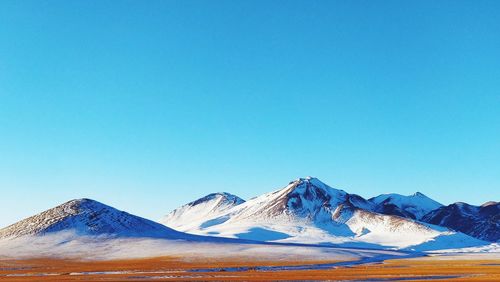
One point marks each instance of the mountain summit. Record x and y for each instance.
(414, 206)
(304, 198)
(198, 211)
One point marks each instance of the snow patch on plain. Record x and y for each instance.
(70, 245)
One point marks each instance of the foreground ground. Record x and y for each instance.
(456, 268)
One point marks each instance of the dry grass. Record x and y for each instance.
(171, 268)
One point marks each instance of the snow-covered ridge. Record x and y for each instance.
(414, 206)
(88, 217)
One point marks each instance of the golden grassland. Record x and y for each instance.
(173, 268)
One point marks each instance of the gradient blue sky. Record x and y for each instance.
(146, 105)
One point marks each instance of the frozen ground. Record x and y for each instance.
(493, 248)
(67, 245)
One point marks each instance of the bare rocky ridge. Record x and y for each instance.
(482, 222)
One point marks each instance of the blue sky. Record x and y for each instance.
(146, 105)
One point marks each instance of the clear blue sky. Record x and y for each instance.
(146, 105)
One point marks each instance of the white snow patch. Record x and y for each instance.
(69, 245)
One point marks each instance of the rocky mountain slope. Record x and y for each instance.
(481, 222)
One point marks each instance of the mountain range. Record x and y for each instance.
(309, 211)
(306, 211)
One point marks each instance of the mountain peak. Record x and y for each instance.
(414, 206)
(310, 188)
(209, 206)
(222, 197)
(312, 182)
(309, 178)
(307, 197)
(490, 203)
(302, 179)
(461, 205)
(80, 203)
(82, 200)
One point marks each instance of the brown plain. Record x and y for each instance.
(172, 268)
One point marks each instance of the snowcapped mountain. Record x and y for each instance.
(309, 211)
(481, 222)
(91, 218)
(196, 212)
(414, 206)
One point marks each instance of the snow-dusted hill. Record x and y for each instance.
(309, 211)
(85, 217)
(196, 212)
(414, 206)
(481, 222)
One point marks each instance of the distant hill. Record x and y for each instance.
(90, 218)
